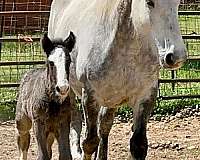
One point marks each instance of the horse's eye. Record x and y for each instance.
(51, 63)
(150, 3)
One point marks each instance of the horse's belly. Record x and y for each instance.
(120, 87)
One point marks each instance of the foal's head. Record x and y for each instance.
(58, 62)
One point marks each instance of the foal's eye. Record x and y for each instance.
(51, 63)
(68, 59)
(150, 3)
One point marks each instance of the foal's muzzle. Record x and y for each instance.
(63, 90)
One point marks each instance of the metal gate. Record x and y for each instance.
(184, 83)
(182, 87)
(20, 20)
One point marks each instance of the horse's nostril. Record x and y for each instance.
(169, 59)
(57, 89)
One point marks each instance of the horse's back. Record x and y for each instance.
(29, 88)
(29, 78)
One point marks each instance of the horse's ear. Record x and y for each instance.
(47, 45)
(70, 41)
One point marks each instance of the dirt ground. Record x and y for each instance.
(178, 139)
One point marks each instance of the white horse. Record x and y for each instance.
(120, 45)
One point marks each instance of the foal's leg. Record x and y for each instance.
(50, 140)
(106, 117)
(91, 109)
(41, 137)
(63, 139)
(138, 142)
(23, 125)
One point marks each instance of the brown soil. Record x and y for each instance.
(175, 140)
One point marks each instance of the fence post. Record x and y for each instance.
(2, 24)
(173, 77)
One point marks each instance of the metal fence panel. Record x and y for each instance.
(184, 83)
(19, 21)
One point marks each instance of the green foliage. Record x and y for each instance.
(7, 110)
(124, 110)
(7, 103)
(171, 107)
(163, 107)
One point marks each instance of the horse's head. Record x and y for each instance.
(58, 62)
(160, 18)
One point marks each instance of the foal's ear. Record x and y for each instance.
(70, 41)
(47, 45)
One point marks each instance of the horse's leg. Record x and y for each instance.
(90, 109)
(75, 134)
(75, 131)
(50, 140)
(63, 139)
(106, 117)
(138, 142)
(41, 137)
(23, 125)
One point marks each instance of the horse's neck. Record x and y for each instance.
(122, 7)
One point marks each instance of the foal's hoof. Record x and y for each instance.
(86, 157)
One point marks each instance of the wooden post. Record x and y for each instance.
(2, 24)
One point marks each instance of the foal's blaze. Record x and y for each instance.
(58, 62)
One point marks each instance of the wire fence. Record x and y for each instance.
(21, 19)
(24, 23)
(192, 5)
(184, 83)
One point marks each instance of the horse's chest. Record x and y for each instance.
(51, 112)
